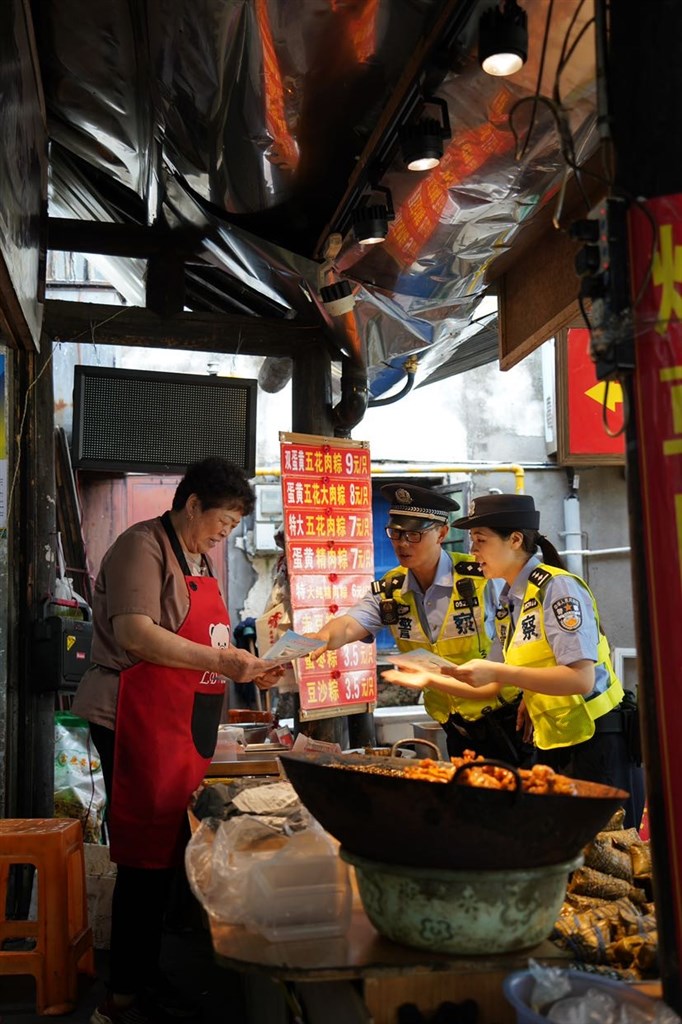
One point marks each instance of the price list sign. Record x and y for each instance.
(327, 501)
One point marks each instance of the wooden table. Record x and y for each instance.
(323, 970)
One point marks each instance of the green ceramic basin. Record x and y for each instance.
(462, 911)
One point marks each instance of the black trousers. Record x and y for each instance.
(492, 736)
(140, 901)
(603, 758)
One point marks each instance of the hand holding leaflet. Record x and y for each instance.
(289, 647)
(419, 658)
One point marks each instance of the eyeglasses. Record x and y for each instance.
(411, 536)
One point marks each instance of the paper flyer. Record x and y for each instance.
(291, 646)
(420, 659)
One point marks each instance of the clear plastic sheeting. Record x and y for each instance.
(244, 121)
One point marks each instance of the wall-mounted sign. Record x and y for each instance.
(327, 503)
(589, 411)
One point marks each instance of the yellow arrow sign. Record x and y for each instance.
(614, 397)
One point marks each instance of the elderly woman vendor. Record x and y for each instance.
(153, 697)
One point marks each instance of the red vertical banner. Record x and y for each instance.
(327, 500)
(656, 260)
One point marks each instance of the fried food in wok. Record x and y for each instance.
(472, 770)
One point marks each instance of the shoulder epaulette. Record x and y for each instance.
(468, 569)
(539, 576)
(392, 580)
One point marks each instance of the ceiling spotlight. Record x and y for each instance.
(422, 142)
(370, 223)
(503, 38)
(338, 298)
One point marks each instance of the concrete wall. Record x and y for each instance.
(486, 415)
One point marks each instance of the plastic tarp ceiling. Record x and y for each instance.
(242, 121)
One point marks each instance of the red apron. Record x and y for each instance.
(166, 728)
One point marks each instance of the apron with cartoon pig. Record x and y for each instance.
(166, 728)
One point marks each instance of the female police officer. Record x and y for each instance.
(551, 646)
(438, 602)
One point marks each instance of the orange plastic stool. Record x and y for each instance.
(63, 939)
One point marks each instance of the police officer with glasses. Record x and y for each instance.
(440, 602)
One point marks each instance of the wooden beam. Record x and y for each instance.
(392, 114)
(537, 284)
(536, 297)
(15, 329)
(196, 332)
(106, 239)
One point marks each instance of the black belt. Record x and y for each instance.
(612, 721)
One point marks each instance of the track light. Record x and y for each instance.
(337, 298)
(503, 39)
(370, 223)
(422, 142)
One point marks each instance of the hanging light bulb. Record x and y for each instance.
(503, 39)
(422, 142)
(370, 223)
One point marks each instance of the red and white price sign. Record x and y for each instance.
(327, 499)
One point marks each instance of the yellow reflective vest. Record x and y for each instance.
(462, 637)
(557, 721)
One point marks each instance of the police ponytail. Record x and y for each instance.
(532, 540)
(550, 555)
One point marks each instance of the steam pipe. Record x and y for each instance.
(410, 368)
(354, 395)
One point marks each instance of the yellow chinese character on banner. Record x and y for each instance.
(667, 274)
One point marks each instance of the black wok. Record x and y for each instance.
(446, 825)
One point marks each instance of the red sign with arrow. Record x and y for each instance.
(595, 408)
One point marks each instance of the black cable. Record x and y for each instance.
(562, 55)
(84, 821)
(535, 99)
(562, 64)
(604, 409)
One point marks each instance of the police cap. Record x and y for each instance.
(501, 511)
(417, 508)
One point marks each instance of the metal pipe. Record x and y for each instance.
(600, 551)
(425, 470)
(573, 533)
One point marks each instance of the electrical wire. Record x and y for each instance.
(604, 411)
(21, 434)
(576, 14)
(88, 330)
(86, 817)
(536, 97)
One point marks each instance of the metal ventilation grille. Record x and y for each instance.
(135, 421)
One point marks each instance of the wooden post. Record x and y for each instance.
(32, 532)
(312, 414)
(644, 107)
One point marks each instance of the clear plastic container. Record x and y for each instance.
(229, 742)
(301, 892)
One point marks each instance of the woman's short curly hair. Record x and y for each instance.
(217, 483)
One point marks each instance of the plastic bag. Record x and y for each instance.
(78, 779)
(218, 862)
(267, 879)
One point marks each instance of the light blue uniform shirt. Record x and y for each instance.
(568, 645)
(431, 605)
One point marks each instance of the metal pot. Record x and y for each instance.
(434, 732)
(405, 821)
